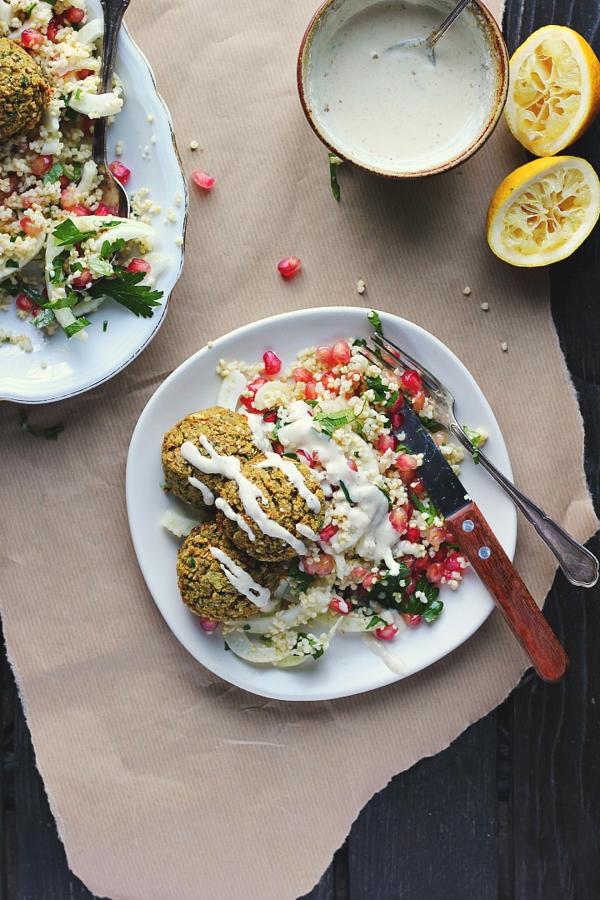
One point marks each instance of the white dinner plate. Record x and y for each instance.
(57, 367)
(349, 666)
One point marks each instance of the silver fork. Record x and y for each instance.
(578, 564)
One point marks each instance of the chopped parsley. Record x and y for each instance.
(50, 432)
(316, 650)
(375, 322)
(45, 318)
(67, 234)
(12, 264)
(109, 249)
(330, 422)
(384, 394)
(359, 342)
(126, 289)
(423, 602)
(346, 493)
(67, 302)
(53, 174)
(57, 275)
(300, 580)
(76, 326)
(476, 439)
(375, 622)
(430, 424)
(105, 325)
(30, 292)
(334, 162)
(430, 512)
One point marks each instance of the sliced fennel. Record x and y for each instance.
(95, 106)
(33, 245)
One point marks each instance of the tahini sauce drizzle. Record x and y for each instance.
(241, 580)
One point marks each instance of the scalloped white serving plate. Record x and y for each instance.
(349, 666)
(58, 368)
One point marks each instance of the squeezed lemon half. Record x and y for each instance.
(554, 92)
(543, 211)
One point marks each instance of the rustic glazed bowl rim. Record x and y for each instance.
(498, 53)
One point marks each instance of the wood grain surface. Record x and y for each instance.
(511, 810)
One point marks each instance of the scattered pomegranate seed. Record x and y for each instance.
(247, 399)
(386, 632)
(271, 362)
(203, 180)
(420, 565)
(413, 534)
(79, 210)
(327, 533)
(453, 562)
(434, 572)
(271, 417)
(82, 281)
(208, 625)
(418, 487)
(120, 172)
(29, 226)
(39, 165)
(341, 353)
(418, 402)
(385, 442)
(358, 573)
(340, 606)
(84, 73)
(321, 566)
(370, 579)
(306, 458)
(413, 620)
(353, 465)
(64, 182)
(397, 420)
(398, 520)
(411, 382)
(405, 462)
(278, 448)
(328, 380)
(303, 375)
(54, 24)
(310, 390)
(139, 265)
(289, 266)
(31, 38)
(397, 406)
(24, 304)
(325, 355)
(74, 15)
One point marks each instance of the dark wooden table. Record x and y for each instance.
(511, 811)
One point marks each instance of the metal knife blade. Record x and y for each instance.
(444, 487)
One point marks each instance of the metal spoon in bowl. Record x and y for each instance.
(428, 43)
(114, 194)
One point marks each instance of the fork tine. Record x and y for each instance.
(430, 380)
(376, 357)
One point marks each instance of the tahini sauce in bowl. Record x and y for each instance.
(397, 113)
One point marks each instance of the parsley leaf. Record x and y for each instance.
(359, 342)
(67, 302)
(383, 394)
(346, 493)
(12, 264)
(300, 580)
(53, 174)
(316, 649)
(477, 439)
(430, 424)
(430, 512)
(330, 422)
(126, 289)
(334, 162)
(76, 326)
(105, 325)
(375, 321)
(67, 234)
(430, 609)
(57, 274)
(50, 432)
(45, 318)
(109, 249)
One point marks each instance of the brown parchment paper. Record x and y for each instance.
(166, 782)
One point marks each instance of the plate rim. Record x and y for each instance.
(305, 312)
(124, 38)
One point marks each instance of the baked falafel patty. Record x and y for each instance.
(24, 91)
(284, 506)
(227, 431)
(203, 584)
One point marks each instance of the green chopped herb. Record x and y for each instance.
(109, 249)
(430, 424)
(76, 326)
(12, 264)
(430, 512)
(359, 342)
(191, 562)
(476, 439)
(384, 394)
(334, 162)
(71, 299)
(386, 495)
(266, 639)
(375, 621)
(29, 9)
(330, 422)
(316, 648)
(346, 493)
(300, 580)
(105, 325)
(292, 456)
(45, 318)
(67, 234)
(73, 170)
(226, 645)
(375, 321)
(246, 627)
(126, 289)
(430, 609)
(57, 275)
(50, 432)
(53, 174)
(31, 293)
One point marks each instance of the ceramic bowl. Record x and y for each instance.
(317, 45)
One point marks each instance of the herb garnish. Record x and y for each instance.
(431, 609)
(57, 274)
(300, 580)
(430, 424)
(105, 325)
(375, 321)
(50, 432)
(316, 649)
(430, 512)
(45, 318)
(53, 174)
(76, 326)
(330, 422)
(476, 439)
(334, 162)
(346, 493)
(12, 264)
(67, 234)
(109, 249)
(384, 394)
(126, 289)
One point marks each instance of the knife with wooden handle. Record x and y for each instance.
(478, 543)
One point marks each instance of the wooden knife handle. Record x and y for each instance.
(479, 544)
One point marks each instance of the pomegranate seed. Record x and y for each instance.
(120, 172)
(418, 487)
(13, 183)
(310, 390)
(247, 399)
(24, 304)
(327, 533)
(208, 625)
(411, 382)
(385, 442)
(271, 362)
(341, 353)
(79, 210)
(139, 265)
(82, 281)
(453, 562)
(325, 355)
(306, 458)
(405, 463)
(420, 565)
(370, 579)
(54, 24)
(339, 605)
(397, 420)
(74, 15)
(84, 73)
(413, 620)
(39, 165)
(64, 182)
(398, 520)
(29, 226)
(397, 404)
(322, 565)
(203, 180)
(289, 266)
(271, 417)
(358, 573)
(31, 38)
(103, 210)
(413, 534)
(302, 375)
(418, 402)
(353, 465)
(328, 380)
(386, 632)
(278, 448)
(434, 572)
